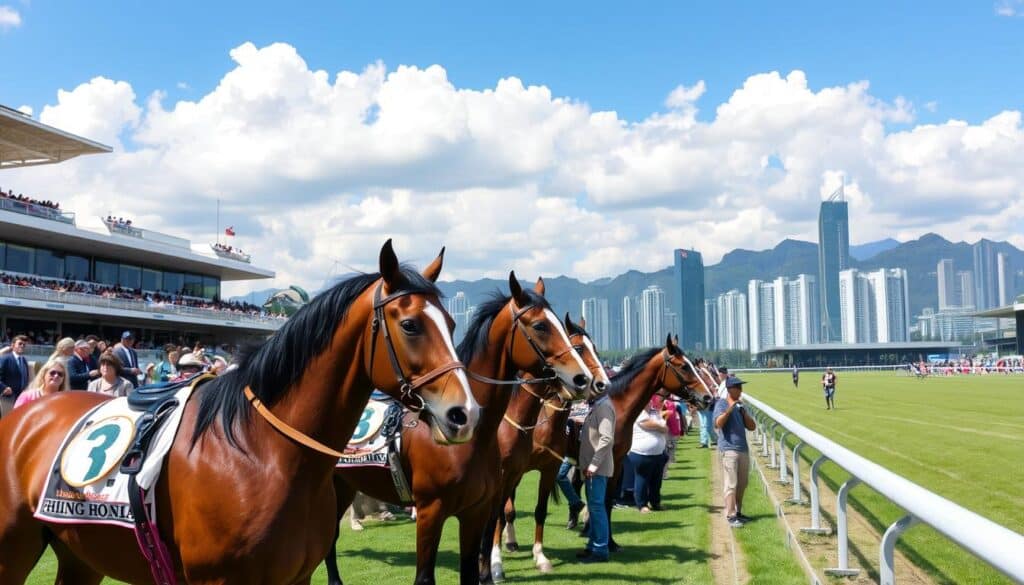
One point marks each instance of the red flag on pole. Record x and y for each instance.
(229, 231)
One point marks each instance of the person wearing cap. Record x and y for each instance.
(189, 365)
(733, 421)
(81, 367)
(129, 359)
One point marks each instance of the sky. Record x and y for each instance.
(553, 138)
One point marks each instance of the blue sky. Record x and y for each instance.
(624, 57)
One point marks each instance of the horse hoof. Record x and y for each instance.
(512, 546)
(545, 567)
(498, 575)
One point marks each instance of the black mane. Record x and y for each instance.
(632, 367)
(477, 332)
(272, 368)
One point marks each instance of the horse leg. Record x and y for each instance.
(344, 495)
(22, 542)
(540, 514)
(492, 569)
(472, 528)
(71, 571)
(508, 523)
(429, 524)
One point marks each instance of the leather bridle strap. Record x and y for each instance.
(286, 429)
(520, 381)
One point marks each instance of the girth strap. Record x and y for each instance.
(286, 429)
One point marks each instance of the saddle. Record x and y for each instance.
(145, 398)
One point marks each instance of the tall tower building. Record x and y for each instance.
(875, 306)
(630, 323)
(1004, 280)
(710, 324)
(854, 307)
(595, 312)
(965, 289)
(833, 257)
(652, 317)
(458, 307)
(689, 277)
(732, 320)
(947, 284)
(761, 315)
(985, 294)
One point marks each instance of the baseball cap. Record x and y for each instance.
(733, 381)
(127, 335)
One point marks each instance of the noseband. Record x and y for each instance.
(549, 371)
(407, 385)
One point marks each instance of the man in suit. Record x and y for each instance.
(14, 374)
(81, 367)
(129, 359)
(596, 441)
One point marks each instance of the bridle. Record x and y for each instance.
(678, 373)
(545, 400)
(548, 372)
(407, 386)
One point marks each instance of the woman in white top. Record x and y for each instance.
(110, 381)
(647, 455)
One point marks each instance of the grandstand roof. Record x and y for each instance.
(1007, 312)
(25, 142)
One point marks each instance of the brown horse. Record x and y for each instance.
(530, 413)
(239, 501)
(508, 335)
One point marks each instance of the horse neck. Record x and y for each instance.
(631, 401)
(494, 362)
(524, 408)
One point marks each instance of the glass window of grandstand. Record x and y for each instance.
(152, 280)
(173, 282)
(20, 259)
(3, 255)
(130, 276)
(211, 287)
(76, 267)
(193, 285)
(49, 263)
(106, 272)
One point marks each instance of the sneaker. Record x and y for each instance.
(584, 553)
(743, 518)
(734, 522)
(594, 559)
(619, 506)
(645, 510)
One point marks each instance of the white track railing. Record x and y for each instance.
(996, 545)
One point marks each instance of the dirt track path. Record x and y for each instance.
(728, 566)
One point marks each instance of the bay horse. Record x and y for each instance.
(531, 413)
(241, 500)
(508, 335)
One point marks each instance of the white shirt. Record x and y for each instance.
(647, 442)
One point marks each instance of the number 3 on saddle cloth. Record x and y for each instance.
(115, 445)
(377, 442)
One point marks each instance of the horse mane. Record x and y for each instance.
(632, 368)
(271, 369)
(479, 329)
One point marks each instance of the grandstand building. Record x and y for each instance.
(58, 279)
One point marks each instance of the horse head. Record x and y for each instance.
(539, 343)
(681, 377)
(412, 356)
(584, 346)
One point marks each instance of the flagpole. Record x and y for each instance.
(218, 220)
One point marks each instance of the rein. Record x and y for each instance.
(517, 326)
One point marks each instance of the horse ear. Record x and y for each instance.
(669, 344)
(389, 267)
(433, 270)
(515, 288)
(676, 339)
(583, 322)
(539, 287)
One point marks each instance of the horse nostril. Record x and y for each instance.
(599, 385)
(457, 416)
(580, 380)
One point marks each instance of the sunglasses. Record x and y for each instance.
(55, 374)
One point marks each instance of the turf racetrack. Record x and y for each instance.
(961, 437)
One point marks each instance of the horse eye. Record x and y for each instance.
(579, 348)
(541, 326)
(409, 326)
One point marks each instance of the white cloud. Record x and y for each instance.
(26, 110)
(316, 169)
(1010, 7)
(9, 18)
(182, 85)
(932, 106)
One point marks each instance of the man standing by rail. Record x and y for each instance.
(732, 421)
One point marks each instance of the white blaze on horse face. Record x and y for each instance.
(565, 337)
(601, 376)
(439, 321)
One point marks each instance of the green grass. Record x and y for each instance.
(768, 560)
(960, 437)
(668, 547)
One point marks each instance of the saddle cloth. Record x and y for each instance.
(85, 485)
(370, 441)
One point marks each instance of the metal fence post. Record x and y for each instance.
(764, 443)
(772, 462)
(887, 566)
(783, 474)
(843, 570)
(797, 498)
(815, 527)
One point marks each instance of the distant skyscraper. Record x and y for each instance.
(630, 323)
(652, 317)
(947, 284)
(761, 315)
(595, 311)
(710, 324)
(732, 330)
(689, 277)
(802, 310)
(985, 284)
(853, 306)
(833, 257)
(1004, 280)
(875, 306)
(458, 306)
(965, 289)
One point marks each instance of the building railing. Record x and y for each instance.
(34, 210)
(73, 298)
(233, 254)
(996, 545)
(134, 232)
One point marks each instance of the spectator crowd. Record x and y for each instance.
(9, 194)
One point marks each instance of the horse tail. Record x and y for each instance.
(554, 496)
